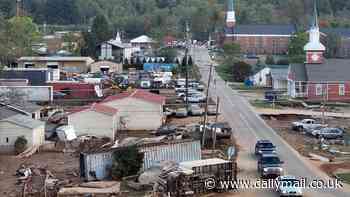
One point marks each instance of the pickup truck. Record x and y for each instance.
(270, 166)
(306, 124)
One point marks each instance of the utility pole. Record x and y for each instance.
(216, 121)
(206, 106)
(186, 56)
(324, 101)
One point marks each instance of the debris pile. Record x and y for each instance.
(37, 180)
(172, 180)
(103, 188)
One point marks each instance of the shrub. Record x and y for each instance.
(20, 144)
(126, 162)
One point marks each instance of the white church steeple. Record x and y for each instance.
(118, 38)
(314, 48)
(230, 14)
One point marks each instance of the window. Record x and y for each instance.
(318, 89)
(341, 90)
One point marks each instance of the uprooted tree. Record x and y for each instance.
(127, 161)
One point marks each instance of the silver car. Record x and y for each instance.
(289, 186)
(196, 110)
(328, 133)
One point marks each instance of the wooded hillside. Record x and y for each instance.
(158, 17)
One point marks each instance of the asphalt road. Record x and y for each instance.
(249, 127)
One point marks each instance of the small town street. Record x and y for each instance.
(249, 127)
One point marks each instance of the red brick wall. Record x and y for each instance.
(261, 45)
(333, 92)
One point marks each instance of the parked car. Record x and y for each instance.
(195, 110)
(263, 147)
(200, 87)
(305, 125)
(181, 113)
(270, 166)
(289, 186)
(165, 130)
(190, 92)
(328, 133)
(195, 98)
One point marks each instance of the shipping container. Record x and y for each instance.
(97, 165)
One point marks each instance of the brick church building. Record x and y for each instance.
(257, 39)
(319, 79)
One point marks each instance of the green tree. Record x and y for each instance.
(232, 53)
(333, 42)
(64, 12)
(17, 37)
(296, 53)
(100, 32)
(126, 162)
(190, 61)
(100, 29)
(74, 43)
(168, 53)
(241, 71)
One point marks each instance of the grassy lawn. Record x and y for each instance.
(344, 177)
(263, 104)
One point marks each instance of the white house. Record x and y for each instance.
(116, 50)
(272, 76)
(138, 110)
(19, 125)
(143, 42)
(97, 119)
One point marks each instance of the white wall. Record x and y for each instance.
(280, 84)
(92, 123)
(260, 77)
(32, 93)
(12, 132)
(139, 114)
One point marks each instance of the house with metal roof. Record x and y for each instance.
(61, 63)
(138, 110)
(272, 76)
(257, 39)
(116, 50)
(319, 79)
(14, 124)
(97, 120)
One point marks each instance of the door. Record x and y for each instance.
(82, 165)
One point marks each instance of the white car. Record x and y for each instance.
(289, 186)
